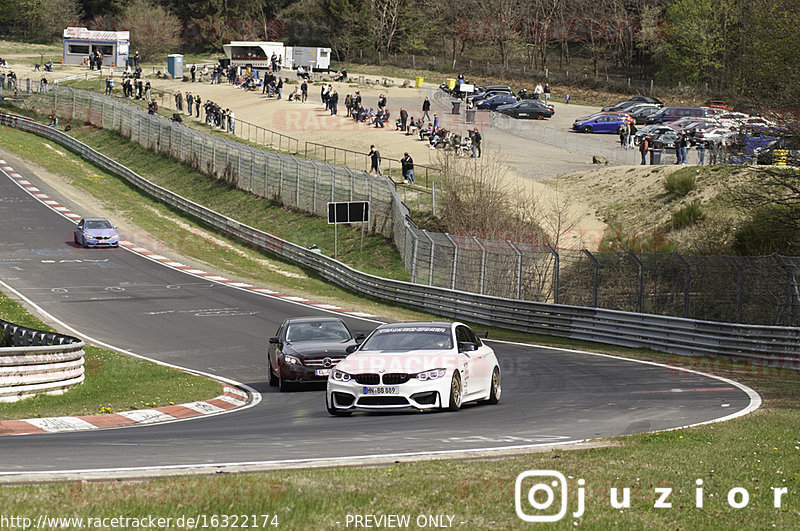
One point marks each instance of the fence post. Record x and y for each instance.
(519, 268)
(483, 262)
(739, 286)
(792, 298)
(687, 283)
(555, 271)
(414, 258)
(639, 281)
(455, 260)
(595, 276)
(433, 249)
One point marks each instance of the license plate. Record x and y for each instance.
(382, 390)
(322, 372)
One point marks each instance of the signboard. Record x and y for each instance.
(348, 212)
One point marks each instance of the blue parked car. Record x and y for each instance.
(496, 101)
(602, 123)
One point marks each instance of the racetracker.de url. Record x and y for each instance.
(200, 521)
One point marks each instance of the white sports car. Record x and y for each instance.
(428, 365)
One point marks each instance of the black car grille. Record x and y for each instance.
(382, 401)
(317, 363)
(425, 398)
(395, 378)
(368, 379)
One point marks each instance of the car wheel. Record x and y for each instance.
(83, 243)
(283, 385)
(496, 390)
(273, 380)
(456, 392)
(335, 411)
(586, 129)
(540, 116)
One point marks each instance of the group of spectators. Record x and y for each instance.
(216, 116)
(9, 79)
(358, 112)
(132, 88)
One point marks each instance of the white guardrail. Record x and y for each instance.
(772, 345)
(37, 362)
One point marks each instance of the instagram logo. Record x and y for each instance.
(541, 495)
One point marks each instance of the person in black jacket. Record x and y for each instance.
(375, 155)
(426, 106)
(408, 168)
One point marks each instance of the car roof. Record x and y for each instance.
(419, 324)
(95, 219)
(311, 319)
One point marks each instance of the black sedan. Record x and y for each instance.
(305, 349)
(527, 109)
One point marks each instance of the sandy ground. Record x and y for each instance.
(533, 168)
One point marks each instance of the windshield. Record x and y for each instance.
(409, 338)
(317, 331)
(103, 224)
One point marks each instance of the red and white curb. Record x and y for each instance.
(231, 398)
(151, 255)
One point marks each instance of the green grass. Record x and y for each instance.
(113, 382)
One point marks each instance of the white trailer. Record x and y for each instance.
(257, 54)
(316, 58)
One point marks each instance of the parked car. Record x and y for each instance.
(602, 123)
(528, 109)
(716, 104)
(496, 101)
(95, 232)
(485, 96)
(671, 114)
(418, 366)
(306, 349)
(646, 99)
(714, 134)
(641, 111)
(652, 130)
(622, 106)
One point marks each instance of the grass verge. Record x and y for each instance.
(113, 382)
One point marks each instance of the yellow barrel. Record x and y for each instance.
(451, 83)
(418, 82)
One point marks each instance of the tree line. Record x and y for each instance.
(748, 49)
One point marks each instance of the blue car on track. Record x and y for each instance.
(606, 122)
(96, 232)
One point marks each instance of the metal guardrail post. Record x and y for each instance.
(595, 275)
(687, 283)
(555, 271)
(639, 281)
(414, 257)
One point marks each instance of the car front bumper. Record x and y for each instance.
(413, 394)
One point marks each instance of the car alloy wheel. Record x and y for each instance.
(456, 392)
(496, 390)
(587, 129)
(540, 116)
(283, 385)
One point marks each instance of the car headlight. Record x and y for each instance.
(291, 360)
(430, 375)
(340, 376)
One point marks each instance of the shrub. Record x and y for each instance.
(688, 215)
(680, 183)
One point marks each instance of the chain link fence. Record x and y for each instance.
(751, 290)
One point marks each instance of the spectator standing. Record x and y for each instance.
(334, 102)
(537, 92)
(375, 155)
(715, 145)
(348, 103)
(136, 61)
(231, 122)
(546, 93)
(197, 104)
(147, 91)
(407, 164)
(279, 87)
(381, 102)
(303, 91)
(426, 107)
(701, 153)
(435, 121)
(179, 101)
(476, 143)
(644, 147)
(403, 120)
(357, 100)
(566, 99)
(189, 101)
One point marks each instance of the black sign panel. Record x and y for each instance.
(348, 212)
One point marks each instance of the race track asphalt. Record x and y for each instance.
(123, 299)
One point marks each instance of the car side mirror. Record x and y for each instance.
(360, 337)
(466, 346)
(274, 340)
(351, 348)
